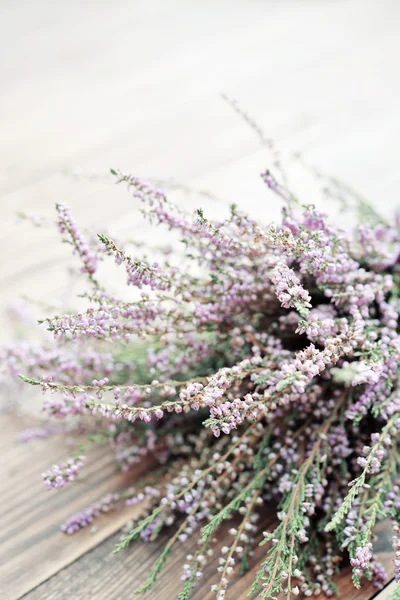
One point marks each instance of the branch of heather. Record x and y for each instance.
(261, 373)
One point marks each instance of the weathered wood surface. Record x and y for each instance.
(38, 562)
(32, 547)
(106, 576)
(85, 86)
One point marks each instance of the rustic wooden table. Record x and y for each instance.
(136, 85)
(38, 562)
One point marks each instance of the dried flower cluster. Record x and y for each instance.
(267, 377)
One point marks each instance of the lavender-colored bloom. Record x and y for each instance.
(59, 475)
(362, 557)
(67, 225)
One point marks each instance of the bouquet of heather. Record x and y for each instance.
(267, 379)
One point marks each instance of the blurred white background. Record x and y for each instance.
(135, 85)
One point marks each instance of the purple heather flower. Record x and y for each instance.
(59, 475)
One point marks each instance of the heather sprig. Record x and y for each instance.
(370, 464)
(67, 226)
(59, 475)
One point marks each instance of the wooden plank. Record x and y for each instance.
(106, 576)
(32, 548)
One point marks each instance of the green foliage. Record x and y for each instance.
(283, 552)
(256, 483)
(347, 503)
(156, 569)
(395, 595)
(103, 238)
(134, 533)
(29, 380)
(358, 483)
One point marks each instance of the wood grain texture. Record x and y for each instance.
(32, 548)
(102, 575)
(35, 555)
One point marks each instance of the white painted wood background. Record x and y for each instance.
(92, 84)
